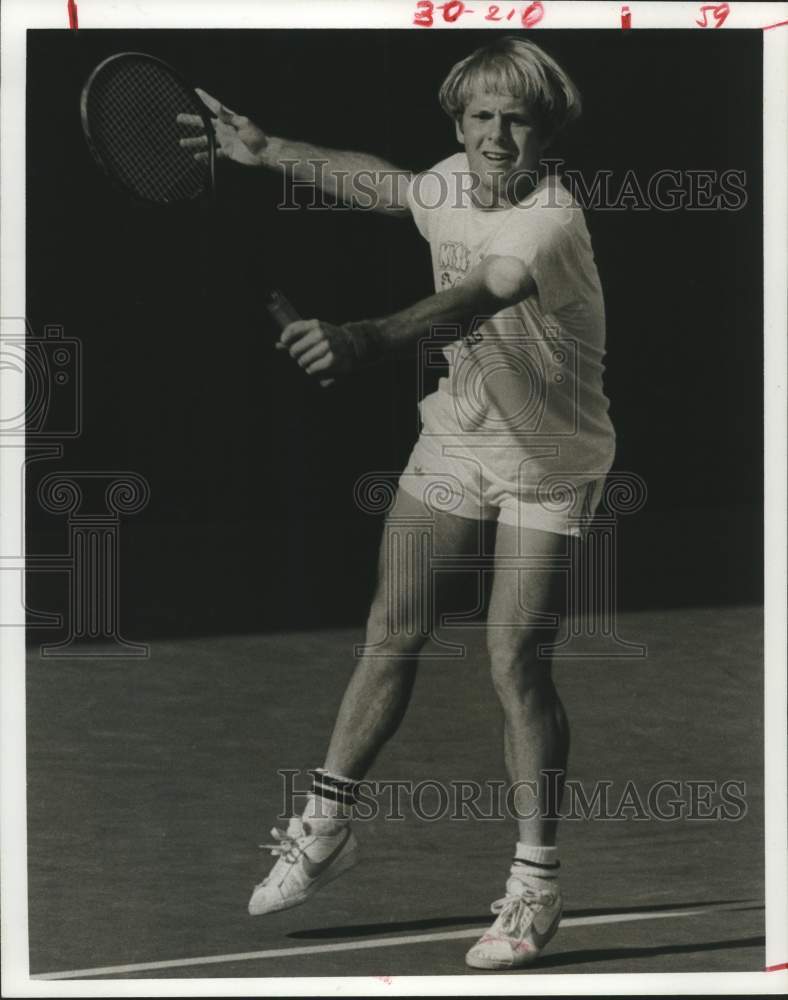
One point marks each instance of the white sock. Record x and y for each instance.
(325, 814)
(535, 861)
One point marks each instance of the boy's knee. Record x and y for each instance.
(392, 631)
(515, 664)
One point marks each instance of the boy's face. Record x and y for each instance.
(501, 139)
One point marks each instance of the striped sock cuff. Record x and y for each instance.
(536, 854)
(334, 787)
(552, 866)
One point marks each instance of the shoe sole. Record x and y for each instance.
(527, 959)
(492, 966)
(343, 863)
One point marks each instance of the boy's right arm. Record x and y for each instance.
(360, 180)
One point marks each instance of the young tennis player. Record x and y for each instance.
(518, 433)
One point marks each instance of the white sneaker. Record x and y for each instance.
(305, 863)
(528, 916)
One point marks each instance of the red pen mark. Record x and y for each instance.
(768, 27)
(718, 11)
(423, 16)
(73, 20)
(782, 965)
(626, 18)
(532, 14)
(510, 15)
(452, 10)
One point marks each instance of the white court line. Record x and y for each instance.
(387, 942)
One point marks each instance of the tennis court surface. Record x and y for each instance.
(151, 783)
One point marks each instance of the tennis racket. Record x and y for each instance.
(129, 108)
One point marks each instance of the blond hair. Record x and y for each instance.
(513, 65)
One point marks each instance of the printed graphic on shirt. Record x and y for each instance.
(455, 259)
(447, 281)
(454, 256)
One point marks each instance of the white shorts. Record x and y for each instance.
(451, 485)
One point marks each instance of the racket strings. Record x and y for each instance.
(132, 107)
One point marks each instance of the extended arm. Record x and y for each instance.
(322, 348)
(357, 179)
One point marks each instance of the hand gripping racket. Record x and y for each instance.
(282, 313)
(129, 108)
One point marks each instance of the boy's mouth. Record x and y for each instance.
(494, 157)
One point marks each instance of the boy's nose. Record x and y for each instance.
(498, 127)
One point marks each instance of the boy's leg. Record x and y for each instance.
(527, 584)
(319, 845)
(400, 618)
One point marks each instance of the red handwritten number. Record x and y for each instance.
(492, 13)
(532, 14)
(626, 18)
(718, 11)
(423, 16)
(452, 10)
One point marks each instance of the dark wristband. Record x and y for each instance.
(366, 341)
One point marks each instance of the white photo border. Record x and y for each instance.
(17, 17)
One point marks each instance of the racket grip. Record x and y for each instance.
(279, 307)
(282, 312)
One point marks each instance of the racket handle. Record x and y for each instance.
(279, 307)
(282, 312)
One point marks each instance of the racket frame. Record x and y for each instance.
(199, 109)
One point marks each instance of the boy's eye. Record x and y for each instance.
(512, 119)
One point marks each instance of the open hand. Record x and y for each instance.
(237, 138)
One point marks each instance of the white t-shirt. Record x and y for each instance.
(524, 396)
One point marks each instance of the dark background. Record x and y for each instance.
(251, 523)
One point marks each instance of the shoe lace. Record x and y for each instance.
(516, 910)
(286, 845)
